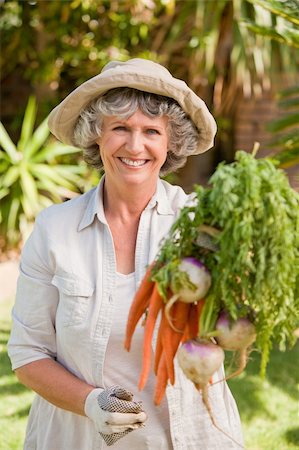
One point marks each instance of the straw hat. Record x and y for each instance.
(140, 74)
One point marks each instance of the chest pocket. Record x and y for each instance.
(74, 299)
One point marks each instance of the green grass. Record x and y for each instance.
(269, 409)
(15, 399)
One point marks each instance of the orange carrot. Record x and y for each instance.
(159, 344)
(156, 302)
(161, 383)
(139, 305)
(171, 338)
(191, 330)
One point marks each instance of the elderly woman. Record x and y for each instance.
(85, 259)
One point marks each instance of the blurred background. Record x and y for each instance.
(240, 56)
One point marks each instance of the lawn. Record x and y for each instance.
(15, 399)
(269, 409)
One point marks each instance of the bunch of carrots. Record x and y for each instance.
(183, 326)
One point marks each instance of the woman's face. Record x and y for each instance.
(133, 150)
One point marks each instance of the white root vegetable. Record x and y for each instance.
(235, 336)
(198, 275)
(199, 359)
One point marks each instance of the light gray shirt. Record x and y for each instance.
(64, 310)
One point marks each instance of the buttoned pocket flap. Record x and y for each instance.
(73, 286)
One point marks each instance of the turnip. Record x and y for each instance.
(237, 336)
(199, 359)
(189, 283)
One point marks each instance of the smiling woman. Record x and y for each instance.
(121, 103)
(85, 260)
(133, 150)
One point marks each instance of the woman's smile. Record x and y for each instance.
(133, 150)
(133, 162)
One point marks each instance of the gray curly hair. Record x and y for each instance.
(124, 102)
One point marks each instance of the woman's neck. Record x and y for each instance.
(123, 209)
(126, 202)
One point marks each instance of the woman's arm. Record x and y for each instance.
(55, 384)
(32, 343)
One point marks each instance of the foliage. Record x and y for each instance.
(205, 43)
(286, 16)
(64, 43)
(254, 215)
(53, 46)
(33, 175)
(288, 9)
(286, 129)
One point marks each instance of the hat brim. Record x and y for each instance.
(63, 118)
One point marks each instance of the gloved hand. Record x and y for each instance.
(114, 412)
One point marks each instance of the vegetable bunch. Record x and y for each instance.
(249, 219)
(227, 271)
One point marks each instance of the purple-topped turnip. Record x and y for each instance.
(237, 336)
(189, 283)
(199, 359)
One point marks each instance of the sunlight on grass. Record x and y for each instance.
(269, 409)
(15, 399)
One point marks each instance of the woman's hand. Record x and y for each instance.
(114, 412)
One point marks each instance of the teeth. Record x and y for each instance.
(135, 163)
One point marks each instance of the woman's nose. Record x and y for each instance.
(134, 142)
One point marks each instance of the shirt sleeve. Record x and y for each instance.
(33, 316)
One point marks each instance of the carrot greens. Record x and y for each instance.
(244, 227)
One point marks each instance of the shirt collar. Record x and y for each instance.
(94, 207)
(161, 200)
(95, 204)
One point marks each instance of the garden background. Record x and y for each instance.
(240, 56)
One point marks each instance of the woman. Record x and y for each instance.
(85, 259)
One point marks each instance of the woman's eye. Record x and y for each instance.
(152, 131)
(119, 128)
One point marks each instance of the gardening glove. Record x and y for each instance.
(114, 412)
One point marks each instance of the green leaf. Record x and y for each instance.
(52, 190)
(70, 173)
(28, 124)
(288, 140)
(286, 35)
(3, 192)
(11, 176)
(288, 157)
(284, 122)
(53, 150)
(289, 102)
(289, 91)
(52, 174)
(37, 140)
(13, 214)
(7, 144)
(287, 9)
(30, 194)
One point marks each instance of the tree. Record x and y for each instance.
(221, 48)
